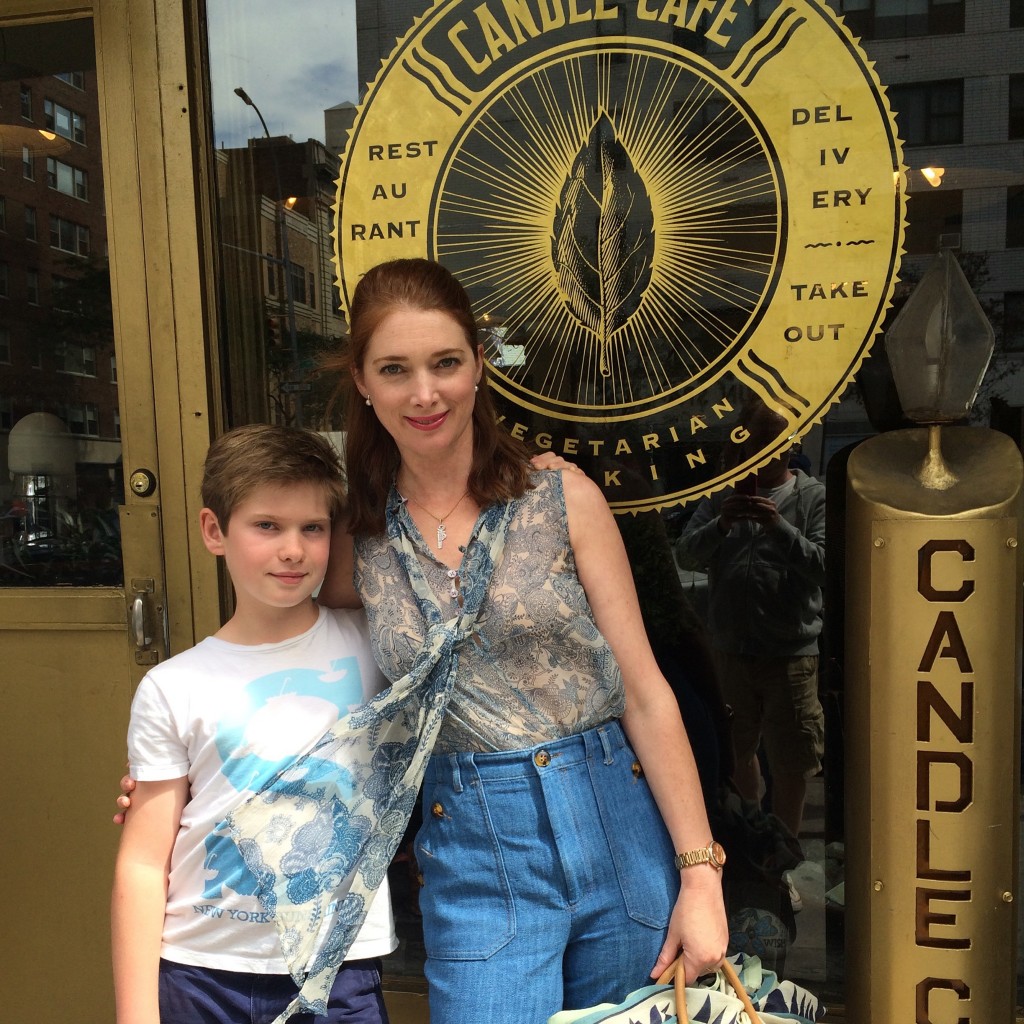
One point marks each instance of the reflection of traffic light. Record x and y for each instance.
(273, 331)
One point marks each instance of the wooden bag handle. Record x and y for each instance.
(674, 973)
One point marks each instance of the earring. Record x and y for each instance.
(368, 402)
(476, 387)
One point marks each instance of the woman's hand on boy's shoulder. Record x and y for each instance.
(124, 801)
(549, 460)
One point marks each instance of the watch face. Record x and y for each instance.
(717, 854)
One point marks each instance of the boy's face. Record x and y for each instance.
(276, 546)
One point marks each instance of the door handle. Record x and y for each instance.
(138, 619)
(145, 604)
(139, 633)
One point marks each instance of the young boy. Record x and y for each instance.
(191, 943)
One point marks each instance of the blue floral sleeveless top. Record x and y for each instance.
(538, 668)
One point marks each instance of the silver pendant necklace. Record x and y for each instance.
(442, 533)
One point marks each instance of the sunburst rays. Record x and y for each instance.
(710, 183)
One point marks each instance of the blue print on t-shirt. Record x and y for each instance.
(246, 768)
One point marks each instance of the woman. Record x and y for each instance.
(549, 879)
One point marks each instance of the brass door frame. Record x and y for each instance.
(71, 663)
(149, 63)
(150, 54)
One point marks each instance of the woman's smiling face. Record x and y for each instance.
(420, 373)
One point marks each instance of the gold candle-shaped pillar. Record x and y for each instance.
(933, 661)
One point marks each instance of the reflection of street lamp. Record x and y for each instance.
(41, 457)
(282, 227)
(37, 141)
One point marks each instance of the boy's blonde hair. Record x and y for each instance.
(249, 457)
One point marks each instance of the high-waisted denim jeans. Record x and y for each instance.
(548, 879)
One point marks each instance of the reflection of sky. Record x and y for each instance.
(293, 59)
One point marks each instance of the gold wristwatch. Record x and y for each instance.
(712, 854)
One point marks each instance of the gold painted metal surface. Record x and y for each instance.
(933, 730)
(141, 533)
(64, 705)
(406, 1007)
(149, 66)
(70, 660)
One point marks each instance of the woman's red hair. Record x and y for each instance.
(500, 469)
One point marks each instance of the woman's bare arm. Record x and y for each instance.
(653, 724)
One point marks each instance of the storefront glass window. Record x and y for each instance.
(285, 92)
(60, 457)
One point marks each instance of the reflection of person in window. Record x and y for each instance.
(679, 640)
(764, 553)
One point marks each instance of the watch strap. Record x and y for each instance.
(703, 855)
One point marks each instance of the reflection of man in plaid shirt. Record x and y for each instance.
(765, 558)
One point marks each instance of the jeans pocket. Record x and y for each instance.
(466, 900)
(640, 845)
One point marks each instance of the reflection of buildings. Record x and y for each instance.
(378, 24)
(955, 77)
(280, 301)
(56, 336)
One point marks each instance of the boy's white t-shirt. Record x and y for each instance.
(229, 717)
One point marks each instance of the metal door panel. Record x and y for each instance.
(70, 649)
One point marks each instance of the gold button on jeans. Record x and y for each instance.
(542, 759)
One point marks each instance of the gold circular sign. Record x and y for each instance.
(664, 211)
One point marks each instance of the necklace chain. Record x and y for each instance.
(442, 533)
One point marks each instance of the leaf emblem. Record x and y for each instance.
(603, 237)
